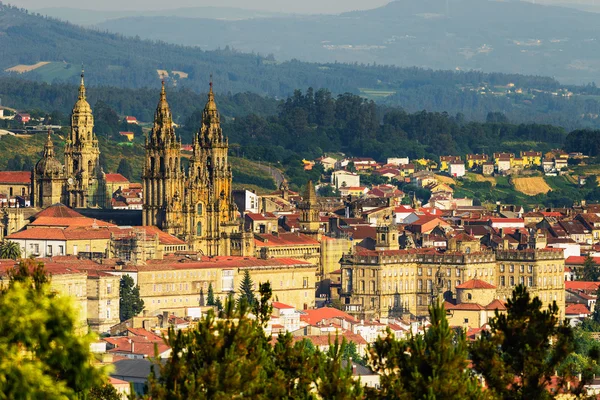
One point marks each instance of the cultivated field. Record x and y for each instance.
(531, 186)
(22, 68)
(445, 179)
(481, 178)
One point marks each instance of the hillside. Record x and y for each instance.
(504, 36)
(114, 60)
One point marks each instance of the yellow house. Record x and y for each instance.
(476, 160)
(407, 170)
(425, 162)
(532, 158)
(518, 162)
(445, 161)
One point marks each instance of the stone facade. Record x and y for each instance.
(196, 206)
(80, 182)
(384, 283)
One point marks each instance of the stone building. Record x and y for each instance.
(196, 206)
(80, 182)
(390, 282)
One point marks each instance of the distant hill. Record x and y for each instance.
(93, 17)
(504, 36)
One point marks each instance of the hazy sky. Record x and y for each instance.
(298, 6)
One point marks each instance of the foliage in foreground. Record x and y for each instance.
(233, 358)
(41, 354)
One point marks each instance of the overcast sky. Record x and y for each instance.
(298, 6)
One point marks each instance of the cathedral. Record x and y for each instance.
(80, 182)
(195, 205)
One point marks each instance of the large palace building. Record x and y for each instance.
(80, 182)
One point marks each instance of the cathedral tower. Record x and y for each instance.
(309, 221)
(48, 178)
(82, 154)
(163, 178)
(209, 208)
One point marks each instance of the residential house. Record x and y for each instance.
(532, 158)
(15, 183)
(345, 178)
(423, 179)
(503, 164)
(22, 118)
(445, 162)
(398, 161)
(487, 168)
(328, 163)
(476, 160)
(363, 163)
(131, 120)
(354, 191)
(261, 223)
(457, 169)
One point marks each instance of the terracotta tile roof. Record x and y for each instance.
(261, 217)
(58, 210)
(576, 309)
(164, 238)
(496, 305)
(281, 306)
(581, 285)
(69, 222)
(115, 178)
(476, 284)
(22, 177)
(463, 306)
(579, 260)
(326, 340)
(315, 316)
(284, 239)
(221, 262)
(144, 333)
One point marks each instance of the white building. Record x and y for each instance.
(345, 178)
(503, 164)
(398, 161)
(246, 201)
(457, 169)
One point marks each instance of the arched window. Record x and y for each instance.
(469, 296)
(199, 228)
(90, 168)
(199, 209)
(383, 237)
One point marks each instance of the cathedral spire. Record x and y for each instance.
(82, 85)
(310, 196)
(49, 146)
(211, 106)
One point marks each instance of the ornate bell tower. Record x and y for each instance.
(310, 222)
(82, 156)
(48, 178)
(163, 178)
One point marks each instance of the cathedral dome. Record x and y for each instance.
(48, 165)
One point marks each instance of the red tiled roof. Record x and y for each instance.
(463, 306)
(326, 340)
(58, 211)
(496, 305)
(576, 309)
(116, 178)
(581, 285)
(476, 284)
(22, 177)
(281, 306)
(260, 217)
(312, 317)
(69, 222)
(579, 260)
(284, 239)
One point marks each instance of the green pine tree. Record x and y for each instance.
(590, 270)
(130, 303)
(210, 298)
(429, 366)
(246, 289)
(334, 379)
(523, 348)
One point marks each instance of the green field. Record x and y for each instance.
(376, 93)
(57, 70)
